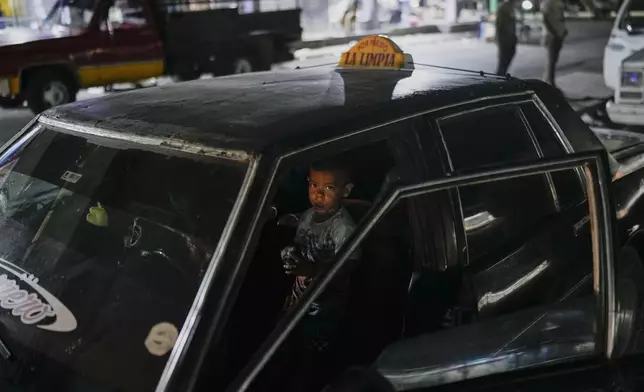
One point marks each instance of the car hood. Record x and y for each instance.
(22, 35)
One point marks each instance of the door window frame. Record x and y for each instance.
(241, 259)
(600, 207)
(435, 132)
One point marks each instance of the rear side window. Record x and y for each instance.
(482, 138)
(570, 191)
(496, 213)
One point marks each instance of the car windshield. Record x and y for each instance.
(615, 140)
(633, 17)
(103, 246)
(74, 14)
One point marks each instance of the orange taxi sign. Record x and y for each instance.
(375, 51)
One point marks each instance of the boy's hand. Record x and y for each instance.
(302, 268)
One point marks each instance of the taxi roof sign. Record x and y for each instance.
(376, 51)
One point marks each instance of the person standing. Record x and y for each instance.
(554, 27)
(349, 18)
(506, 36)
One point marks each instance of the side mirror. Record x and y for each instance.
(360, 380)
(288, 220)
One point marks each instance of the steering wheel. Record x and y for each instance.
(142, 230)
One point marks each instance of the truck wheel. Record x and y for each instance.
(263, 54)
(242, 65)
(48, 89)
(187, 74)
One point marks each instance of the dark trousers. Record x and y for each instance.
(507, 51)
(553, 45)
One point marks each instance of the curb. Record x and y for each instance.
(426, 29)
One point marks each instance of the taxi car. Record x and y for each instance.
(499, 249)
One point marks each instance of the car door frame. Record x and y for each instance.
(600, 207)
(517, 103)
(182, 371)
(433, 136)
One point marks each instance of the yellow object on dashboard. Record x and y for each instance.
(375, 51)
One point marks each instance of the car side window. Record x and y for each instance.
(496, 213)
(422, 328)
(450, 336)
(303, 234)
(481, 138)
(126, 14)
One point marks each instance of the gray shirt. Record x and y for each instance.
(319, 242)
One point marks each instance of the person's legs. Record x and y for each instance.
(506, 54)
(554, 48)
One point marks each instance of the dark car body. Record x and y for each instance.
(276, 121)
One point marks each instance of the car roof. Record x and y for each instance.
(258, 111)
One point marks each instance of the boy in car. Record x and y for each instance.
(321, 232)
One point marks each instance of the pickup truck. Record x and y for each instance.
(486, 241)
(86, 43)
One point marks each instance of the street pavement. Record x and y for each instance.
(579, 70)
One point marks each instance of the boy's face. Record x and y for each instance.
(326, 191)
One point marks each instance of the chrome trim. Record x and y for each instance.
(553, 124)
(559, 133)
(604, 222)
(154, 141)
(18, 135)
(575, 287)
(194, 315)
(482, 108)
(537, 147)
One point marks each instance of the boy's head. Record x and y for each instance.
(329, 184)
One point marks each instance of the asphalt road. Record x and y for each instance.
(582, 51)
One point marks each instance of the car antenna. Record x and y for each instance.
(314, 66)
(481, 73)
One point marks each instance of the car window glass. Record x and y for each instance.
(101, 257)
(404, 319)
(480, 138)
(126, 14)
(73, 14)
(493, 214)
(633, 18)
